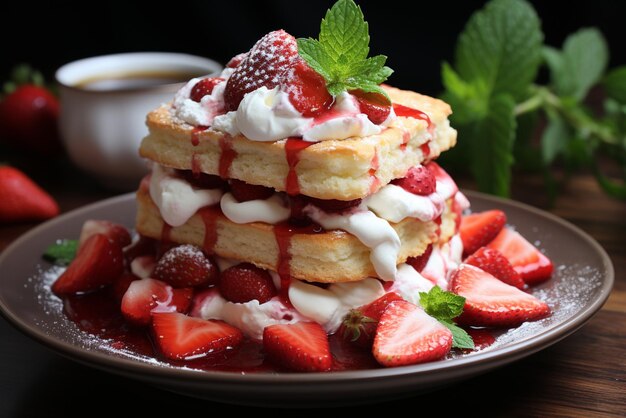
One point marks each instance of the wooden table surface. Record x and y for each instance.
(581, 376)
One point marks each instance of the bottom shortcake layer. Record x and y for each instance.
(309, 254)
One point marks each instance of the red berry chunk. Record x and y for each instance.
(376, 106)
(186, 266)
(244, 192)
(307, 89)
(204, 87)
(418, 180)
(245, 282)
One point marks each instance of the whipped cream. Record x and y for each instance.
(443, 261)
(250, 317)
(176, 199)
(395, 204)
(329, 306)
(271, 210)
(409, 283)
(347, 121)
(374, 232)
(199, 113)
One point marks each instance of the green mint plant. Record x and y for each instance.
(497, 102)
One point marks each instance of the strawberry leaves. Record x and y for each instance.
(445, 306)
(340, 54)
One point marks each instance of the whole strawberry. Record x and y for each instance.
(29, 114)
(23, 200)
(186, 266)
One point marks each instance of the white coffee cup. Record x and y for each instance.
(104, 103)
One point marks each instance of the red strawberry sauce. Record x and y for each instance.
(293, 148)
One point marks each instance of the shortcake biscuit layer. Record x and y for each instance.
(338, 169)
(327, 257)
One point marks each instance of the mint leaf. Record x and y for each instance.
(460, 337)
(444, 306)
(340, 54)
(345, 33)
(61, 252)
(492, 145)
(615, 84)
(441, 304)
(554, 138)
(585, 57)
(501, 47)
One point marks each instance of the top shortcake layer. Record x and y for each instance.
(335, 169)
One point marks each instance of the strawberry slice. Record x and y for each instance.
(236, 60)
(245, 282)
(204, 87)
(493, 262)
(492, 303)
(479, 229)
(115, 232)
(526, 259)
(418, 180)
(301, 347)
(265, 65)
(98, 263)
(186, 266)
(376, 106)
(359, 325)
(408, 335)
(147, 296)
(181, 337)
(244, 192)
(420, 261)
(307, 89)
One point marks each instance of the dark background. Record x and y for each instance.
(415, 35)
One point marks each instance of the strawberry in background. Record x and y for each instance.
(29, 114)
(22, 200)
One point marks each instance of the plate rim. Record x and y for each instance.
(144, 370)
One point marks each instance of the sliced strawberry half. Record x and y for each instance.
(98, 263)
(376, 106)
(418, 180)
(264, 66)
(147, 296)
(479, 229)
(420, 261)
(115, 232)
(301, 347)
(526, 259)
(493, 262)
(306, 89)
(181, 337)
(186, 266)
(359, 325)
(204, 87)
(245, 282)
(490, 302)
(244, 192)
(408, 335)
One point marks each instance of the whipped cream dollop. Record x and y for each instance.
(327, 307)
(199, 113)
(271, 210)
(395, 204)
(176, 199)
(374, 232)
(268, 115)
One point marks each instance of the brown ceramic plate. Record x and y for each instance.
(582, 281)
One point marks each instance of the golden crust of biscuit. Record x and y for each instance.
(328, 257)
(345, 170)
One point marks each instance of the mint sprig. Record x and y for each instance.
(445, 306)
(341, 53)
(61, 252)
(498, 105)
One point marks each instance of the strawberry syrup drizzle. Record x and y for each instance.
(284, 232)
(209, 215)
(195, 165)
(293, 148)
(409, 112)
(425, 149)
(195, 135)
(227, 156)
